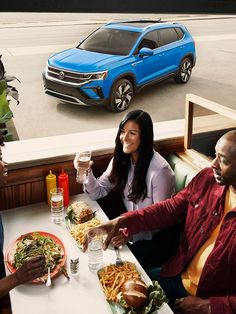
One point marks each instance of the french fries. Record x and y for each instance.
(78, 232)
(112, 278)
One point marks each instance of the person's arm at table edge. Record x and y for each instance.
(8, 283)
(31, 269)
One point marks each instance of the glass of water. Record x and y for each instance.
(95, 250)
(57, 208)
(83, 162)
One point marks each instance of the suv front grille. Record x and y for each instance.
(66, 77)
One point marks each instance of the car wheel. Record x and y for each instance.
(185, 72)
(121, 95)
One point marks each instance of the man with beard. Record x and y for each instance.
(201, 277)
(31, 269)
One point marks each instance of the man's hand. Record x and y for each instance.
(192, 305)
(121, 238)
(111, 229)
(31, 269)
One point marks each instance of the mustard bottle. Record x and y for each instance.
(51, 182)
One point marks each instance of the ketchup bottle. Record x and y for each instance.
(63, 182)
(51, 183)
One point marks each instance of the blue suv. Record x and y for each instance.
(118, 59)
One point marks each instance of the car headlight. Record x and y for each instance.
(94, 76)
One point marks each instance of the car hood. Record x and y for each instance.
(75, 59)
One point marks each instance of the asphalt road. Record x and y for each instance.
(28, 39)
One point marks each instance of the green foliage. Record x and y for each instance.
(156, 297)
(5, 111)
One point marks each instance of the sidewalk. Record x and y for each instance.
(11, 19)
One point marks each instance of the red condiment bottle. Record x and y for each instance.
(63, 182)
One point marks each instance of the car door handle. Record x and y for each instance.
(161, 54)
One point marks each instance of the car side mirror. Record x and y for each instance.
(145, 52)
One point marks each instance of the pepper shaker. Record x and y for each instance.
(74, 266)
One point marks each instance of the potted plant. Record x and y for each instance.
(6, 91)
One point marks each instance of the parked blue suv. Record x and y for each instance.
(118, 59)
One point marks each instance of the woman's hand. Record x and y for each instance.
(192, 305)
(76, 163)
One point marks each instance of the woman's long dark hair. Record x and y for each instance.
(121, 161)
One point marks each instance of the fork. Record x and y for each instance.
(119, 261)
(48, 282)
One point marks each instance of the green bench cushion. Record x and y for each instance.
(183, 171)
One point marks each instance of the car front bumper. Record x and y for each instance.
(86, 96)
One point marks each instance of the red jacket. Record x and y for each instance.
(201, 204)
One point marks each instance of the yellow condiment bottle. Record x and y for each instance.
(51, 183)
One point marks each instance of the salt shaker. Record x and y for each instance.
(74, 266)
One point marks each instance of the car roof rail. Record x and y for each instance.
(136, 21)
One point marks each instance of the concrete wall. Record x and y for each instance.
(128, 6)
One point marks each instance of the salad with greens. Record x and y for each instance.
(34, 244)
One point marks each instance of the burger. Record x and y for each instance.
(134, 294)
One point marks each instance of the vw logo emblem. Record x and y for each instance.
(61, 75)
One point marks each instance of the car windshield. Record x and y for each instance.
(110, 41)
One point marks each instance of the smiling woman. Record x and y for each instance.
(137, 173)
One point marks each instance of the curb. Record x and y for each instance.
(106, 20)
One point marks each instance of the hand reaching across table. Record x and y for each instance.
(112, 230)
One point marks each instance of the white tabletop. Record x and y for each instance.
(79, 294)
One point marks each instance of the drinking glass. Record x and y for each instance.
(57, 208)
(83, 161)
(95, 250)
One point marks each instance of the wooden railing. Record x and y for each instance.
(27, 185)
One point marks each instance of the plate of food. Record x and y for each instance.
(33, 244)
(79, 231)
(127, 293)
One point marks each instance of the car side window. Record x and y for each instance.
(168, 35)
(148, 41)
(180, 32)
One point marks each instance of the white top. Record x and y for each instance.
(79, 294)
(160, 181)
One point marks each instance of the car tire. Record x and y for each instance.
(121, 95)
(185, 71)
